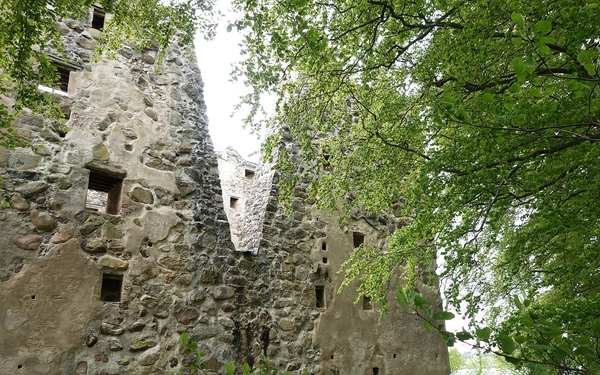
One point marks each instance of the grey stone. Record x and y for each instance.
(286, 324)
(149, 357)
(86, 42)
(29, 241)
(64, 233)
(31, 188)
(43, 221)
(22, 160)
(136, 326)
(151, 113)
(18, 202)
(114, 345)
(142, 195)
(141, 344)
(110, 329)
(95, 245)
(111, 262)
(186, 315)
(223, 292)
(148, 57)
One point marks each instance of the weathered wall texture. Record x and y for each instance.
(170, 240)
(305, 248)
(251, 192)
(171, 243)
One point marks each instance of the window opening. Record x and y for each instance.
(320, 296)
(323, 246)
(324, 260)
(233, 202)
(366, 303)
(104, 193)
(375, 370)
(64, 73)
(249, 173)
(98, 19)
(111, 287)
(357, 239)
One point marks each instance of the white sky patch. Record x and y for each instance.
(215, 59)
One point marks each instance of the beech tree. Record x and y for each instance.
(476, 121)
(28, 29)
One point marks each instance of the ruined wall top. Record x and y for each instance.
(247, 187)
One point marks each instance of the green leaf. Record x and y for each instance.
(542, 27)
(483, 334)
(419, 300)
(464, 335)
(517, 19)
(506, 343)
(443, 315)
(229, 368)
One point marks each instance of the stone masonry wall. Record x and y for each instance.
(305, 248)
(170, 240)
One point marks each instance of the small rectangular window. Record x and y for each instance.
(320, 296)
(249, 173)
(64, 74)
(233, 202)
(104, 192)
(323, 246)
(98, 19)
(366, 303)
(324, 260)
(358, 239)
(375, 370)
(111, 287)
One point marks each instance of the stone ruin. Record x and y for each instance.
(118, 235)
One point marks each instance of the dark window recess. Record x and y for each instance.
(375, 370)
(104, 193)
(366, 303)
(249, 173)
(324, 260)
(111, 287)
(395, 355)
(64, 73)
(233, 202)
(98, 19)
(357, 239)
(320, 296)
(324, 246)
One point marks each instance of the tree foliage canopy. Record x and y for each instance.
(28, 30)
(478, 121)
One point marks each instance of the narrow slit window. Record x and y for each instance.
(98, 18)
(234, 202)
(111, 287)
(358, 239)
(249, 173)
(375, 370)
(323, 246)
(366, 303)
(320, 296)
(104, 193)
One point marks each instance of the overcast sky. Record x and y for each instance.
(215, 58)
